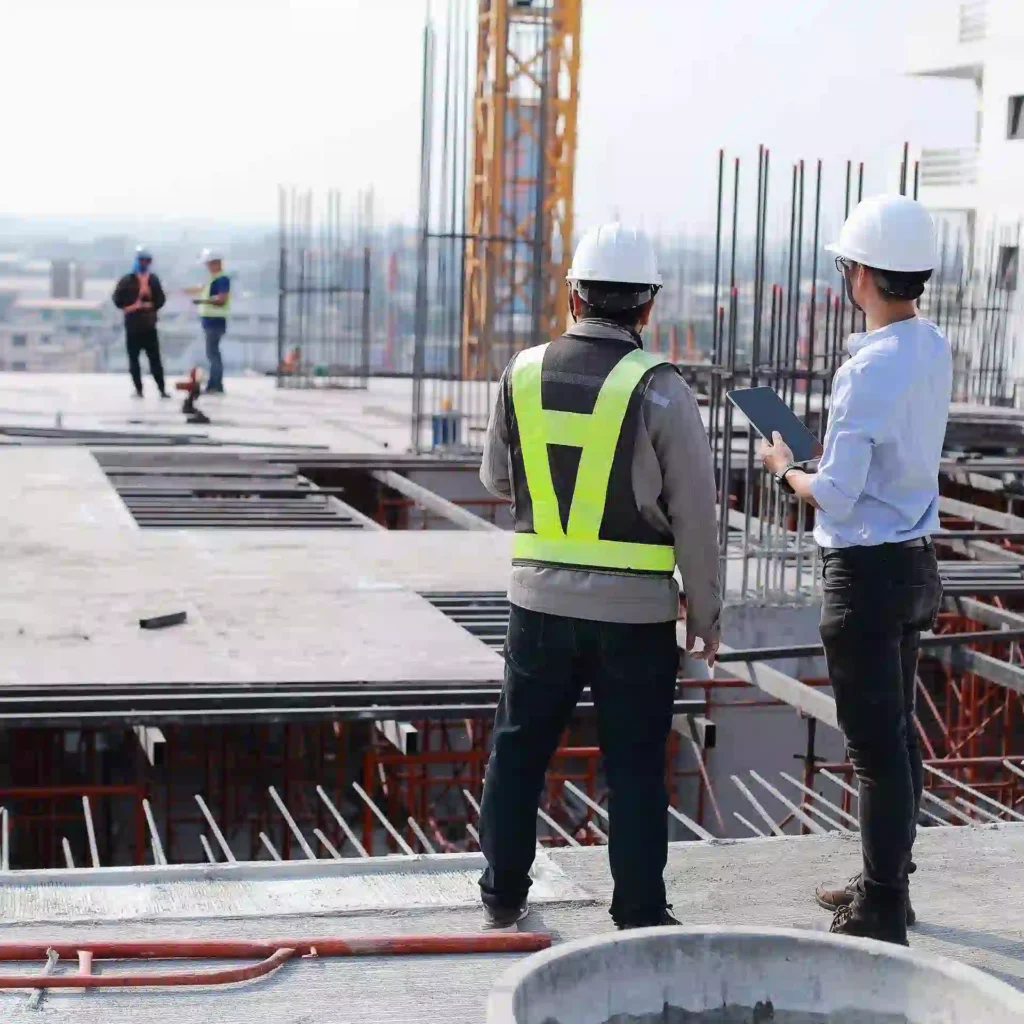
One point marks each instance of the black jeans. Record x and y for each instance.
(875, 603)
(139, 340)
(631, 670)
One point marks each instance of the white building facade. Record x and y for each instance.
(982, 42)
(976, 192)
(62, 335)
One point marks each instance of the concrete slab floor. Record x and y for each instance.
(968, 893)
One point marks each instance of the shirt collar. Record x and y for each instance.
(593, 327)
(861, 340)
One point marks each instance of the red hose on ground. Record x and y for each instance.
(274, 952)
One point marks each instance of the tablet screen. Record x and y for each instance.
(768, 413)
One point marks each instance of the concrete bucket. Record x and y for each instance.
(746, 976)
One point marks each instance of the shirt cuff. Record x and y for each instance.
(832, 501)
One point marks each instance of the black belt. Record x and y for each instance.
(917, 542)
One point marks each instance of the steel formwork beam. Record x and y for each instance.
(433, 502)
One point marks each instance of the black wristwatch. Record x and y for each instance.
(780, 477)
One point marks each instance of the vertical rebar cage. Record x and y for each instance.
(324, 273)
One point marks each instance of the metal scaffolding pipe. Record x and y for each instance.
(695, 827)
(342, 823)
(835, 808)
(768, 819)
(548, 820)
(792, 807)
(327, 844)
(286, 814)
(433, 502)
(271, 849)
(420, 835)
(753, 828)
(94, 852)
(383, 819)
(1002, 808)
(215, 828)
(154, 835)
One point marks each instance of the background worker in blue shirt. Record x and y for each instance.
(877, 500)
(213, 303)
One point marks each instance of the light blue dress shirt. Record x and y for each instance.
(878, 479)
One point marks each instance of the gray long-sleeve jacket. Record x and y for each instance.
(674, 489)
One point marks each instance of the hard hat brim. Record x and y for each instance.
(575, 276)
(859, 257)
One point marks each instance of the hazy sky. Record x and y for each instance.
(199, 108)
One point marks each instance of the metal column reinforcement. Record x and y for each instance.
(324, 291)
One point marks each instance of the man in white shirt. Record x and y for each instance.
(876, 499)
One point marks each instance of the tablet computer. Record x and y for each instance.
(768, 413)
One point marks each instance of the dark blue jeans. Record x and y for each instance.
(875, 602)
(631, 670)
(214, 332)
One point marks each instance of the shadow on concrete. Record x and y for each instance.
(991, 942)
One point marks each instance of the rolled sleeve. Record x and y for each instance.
(830, 499)
(857, 419)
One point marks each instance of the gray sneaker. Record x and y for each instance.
(496, 918)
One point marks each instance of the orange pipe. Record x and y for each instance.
(228, 976)
(274, 952)
(237, 949)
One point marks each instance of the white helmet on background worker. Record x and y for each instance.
(211, 256)
(892, 233)
(617, 255)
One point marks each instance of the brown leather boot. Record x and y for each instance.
(832, 899)
(867, 921)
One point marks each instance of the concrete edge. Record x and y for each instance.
(544, 869)
(245, 871)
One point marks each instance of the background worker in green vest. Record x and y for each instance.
(213, 303)
(602, 450)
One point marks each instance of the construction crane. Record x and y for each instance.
(520, 217)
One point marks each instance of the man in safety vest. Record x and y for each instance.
(213, 303)
(601, 447)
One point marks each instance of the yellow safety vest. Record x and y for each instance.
(210, 309)
(597, 434)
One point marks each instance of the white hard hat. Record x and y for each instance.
(888, 233)
(209, 255)
(615, 254)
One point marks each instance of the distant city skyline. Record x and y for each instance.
(193, 111)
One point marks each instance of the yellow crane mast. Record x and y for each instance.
(520, 204)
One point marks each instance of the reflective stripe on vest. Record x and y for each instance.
(597, 434)
(210, 309)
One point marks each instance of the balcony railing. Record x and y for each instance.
(973, 21)
(942, 168)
